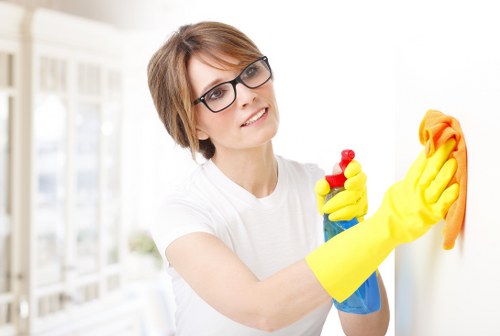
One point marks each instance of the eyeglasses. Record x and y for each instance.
(223, 95)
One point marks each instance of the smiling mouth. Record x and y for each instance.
(255, 117)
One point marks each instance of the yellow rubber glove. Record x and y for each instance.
(349, 203)
(410, 207)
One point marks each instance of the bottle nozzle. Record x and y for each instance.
(347, 156)
(337, 180)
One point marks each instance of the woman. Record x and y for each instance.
(242, 237)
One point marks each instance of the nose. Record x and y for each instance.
(244, 95)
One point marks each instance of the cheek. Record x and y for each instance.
(213, 123)
(272, 100)
(271, 97)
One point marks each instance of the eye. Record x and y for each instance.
(252, 70)
(216, 93)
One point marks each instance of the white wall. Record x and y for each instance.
(448, 58)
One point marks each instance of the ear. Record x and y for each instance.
(201, 135)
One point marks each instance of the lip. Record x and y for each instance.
(265, 109)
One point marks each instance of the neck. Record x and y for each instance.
(254, 170)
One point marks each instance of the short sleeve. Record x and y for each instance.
(175, 219)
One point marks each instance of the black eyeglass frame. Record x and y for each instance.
(233, 84)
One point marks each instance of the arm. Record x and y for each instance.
(222, 280)
(409, 209)
(225, 282)
(371, 324)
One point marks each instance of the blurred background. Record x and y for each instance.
(84, 158)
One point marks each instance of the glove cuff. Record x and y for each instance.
(343, 263)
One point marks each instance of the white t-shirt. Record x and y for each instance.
(268, 234)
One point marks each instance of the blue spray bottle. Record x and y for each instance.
(366, 299)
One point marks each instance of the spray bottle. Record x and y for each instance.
(366, 299)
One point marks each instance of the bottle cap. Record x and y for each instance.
(338, 180)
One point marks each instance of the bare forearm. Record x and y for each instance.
(275, 302)
(373, 324)
(230, 287)
(289, 295)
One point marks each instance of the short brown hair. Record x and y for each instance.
(169, 82)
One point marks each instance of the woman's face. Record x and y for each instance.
(250, 122)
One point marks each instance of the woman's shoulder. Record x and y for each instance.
(300, 168)
(196, 189)
(185, 191)
(184, 203)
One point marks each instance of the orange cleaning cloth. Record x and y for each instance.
(435, 129)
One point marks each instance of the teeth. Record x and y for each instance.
(254, 118)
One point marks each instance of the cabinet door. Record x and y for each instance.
(50, 199)
(87, 162)
(87, 187)
(111, 228)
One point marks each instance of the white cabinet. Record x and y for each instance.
(60, 176)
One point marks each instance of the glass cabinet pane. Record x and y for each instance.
(5, 226)
(52, 75)
(89, 80)
(110, 183)
(50, 156)
(87, 186)
(6, 70)
(111, 176)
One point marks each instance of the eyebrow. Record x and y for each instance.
(210, 85)
(218, 81)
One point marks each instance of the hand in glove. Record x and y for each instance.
(410, 207)
(349, 203)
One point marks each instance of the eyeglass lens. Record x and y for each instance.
(223, 95)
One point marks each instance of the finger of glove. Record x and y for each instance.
(416, 169)
(346, 213)
(353, 168)
(447, 198)
(436, 161)
(320, 202)
(322, 187)
(349, 211)
(436, 188)
(358, 181)
(341, 200)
